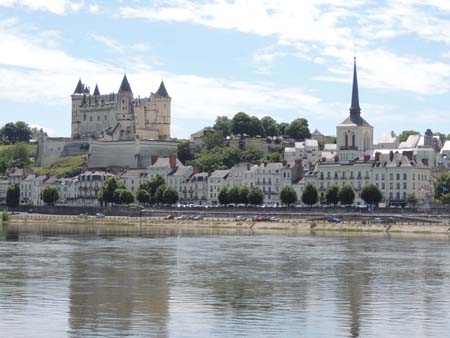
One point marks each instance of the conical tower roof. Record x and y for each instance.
(96, 91)
(125, 85)
(79, 88)
(162, 91)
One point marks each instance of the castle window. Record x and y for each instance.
(98, 118)
(84, 117)
(90, 118)
(106, 117)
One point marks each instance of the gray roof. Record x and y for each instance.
(133, 173)
(182, 171)
(162, 91)
(165, 162)
(79, 89)
(349, 122)
(220, 173)
(96, 91)
(125, 85)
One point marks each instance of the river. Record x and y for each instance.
(223, 286)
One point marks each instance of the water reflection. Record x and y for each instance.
(222, 286)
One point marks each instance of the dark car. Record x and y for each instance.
(262, 219)
(169, 217)
(376, 220)
(334, 220)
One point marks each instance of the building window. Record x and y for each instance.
(405, 176)
(84, 117)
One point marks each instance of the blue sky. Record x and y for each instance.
(283, 58)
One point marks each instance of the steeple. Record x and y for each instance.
(79, 87)
(355, 109)
(96, 91)
(125, 86)
(162, 91)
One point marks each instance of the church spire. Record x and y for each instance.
(162, 91)
(355, 109)
(125, 86)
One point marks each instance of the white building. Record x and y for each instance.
(132, 178)
(308, 152)
(89, 185)
(163, 166)
(216, 181)
(3, 188)
(195, 190)
(67, 191)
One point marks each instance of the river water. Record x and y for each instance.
(223, 286)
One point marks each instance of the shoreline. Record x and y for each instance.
(210, 226)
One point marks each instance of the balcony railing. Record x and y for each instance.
(348, 148)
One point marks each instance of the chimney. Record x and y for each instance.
(154, 158)
(173, 161)
(195, 169)
(391, 155)
(284, 163)
(408, 154)
(377, 156)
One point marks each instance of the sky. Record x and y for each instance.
(282, 58)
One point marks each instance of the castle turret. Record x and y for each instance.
(96, 91)
(125, 114)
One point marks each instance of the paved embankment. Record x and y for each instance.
(158, 225)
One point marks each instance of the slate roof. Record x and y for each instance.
(79, 88)
(125, 85)
(96, 91)
(162, 91)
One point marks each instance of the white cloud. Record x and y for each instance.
(108, 42)
(49, 75)
(54, 6)
(326, 31)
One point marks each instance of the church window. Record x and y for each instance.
(353, 140)
(346, 140)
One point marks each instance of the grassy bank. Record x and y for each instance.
(62, 166)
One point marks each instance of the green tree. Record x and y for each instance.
(331, 194)
(411, 199)
(170, 195)
(185, 152)
(126, 196)
(234, 194)
(270, 126)
(282, 127)
(143, 196)
(155, 183)
(13, 196)
(288, 195)
(217, 158)
(243, 194)
(223, 196)
(256, 127)
(14, 156)
(445, 199)
(50, 195)
(109, 186)
(223, 124)
(213, 139)
(310, 195)
(159, 194)
(441, 185)
(255, 196)
(274, 157)
(371, 194)
(298, 129)
(346, 195)
(406, 133)
(251, 154)
(11, 132)
(241, 124)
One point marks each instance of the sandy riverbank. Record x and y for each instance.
(213, 226)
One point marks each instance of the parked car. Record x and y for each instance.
(182, 217)
(274, 219)
(389, 220)
(376, 220)
(170, 216)
(197, 217)
(262, 219)
(240, 218)
(99, 215)
(30, 211)
(334, 220)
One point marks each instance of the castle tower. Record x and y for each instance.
(163, 101)
(77, 99)
(125, 113)
(354, 136)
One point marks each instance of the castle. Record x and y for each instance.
(114, 130)
(120, 116)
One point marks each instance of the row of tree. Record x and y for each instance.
(49, 195)
(244, 124)
(17, 155)
(149, 192)
(240, 195)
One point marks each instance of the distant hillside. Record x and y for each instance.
(66, 166)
